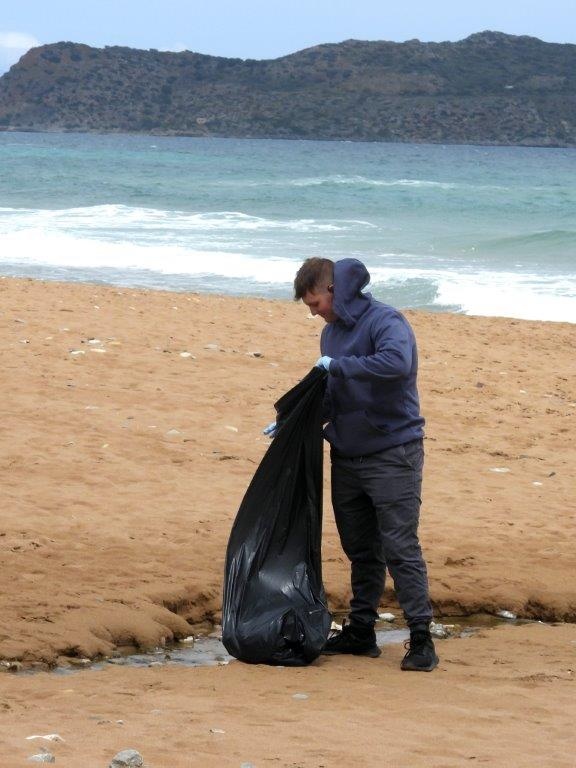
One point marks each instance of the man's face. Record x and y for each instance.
(319, 302)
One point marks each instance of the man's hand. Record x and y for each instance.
(270, 430)
(324, 362)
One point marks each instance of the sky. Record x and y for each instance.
(264, 29)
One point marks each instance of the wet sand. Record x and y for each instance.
(121, 474)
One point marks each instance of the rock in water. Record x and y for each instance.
(507, 615)
(128, 758)
(438, 630)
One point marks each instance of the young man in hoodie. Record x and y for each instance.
(376, 435)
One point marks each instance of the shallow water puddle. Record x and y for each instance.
(204, 652)
(208, 651)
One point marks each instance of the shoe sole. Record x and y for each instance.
(372, 653)
(430, 668)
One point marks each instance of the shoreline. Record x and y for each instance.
(123, 469)
(256, 297)
(95, 132)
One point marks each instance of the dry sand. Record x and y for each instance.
(122, 471)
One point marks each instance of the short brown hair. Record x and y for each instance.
(314, 273)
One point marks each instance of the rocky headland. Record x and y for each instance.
(490, 88)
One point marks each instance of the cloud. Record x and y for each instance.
(13, 45)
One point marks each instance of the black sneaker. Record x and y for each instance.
(360, 641)
(421, 656)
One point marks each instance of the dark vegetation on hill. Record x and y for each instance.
(490, 88)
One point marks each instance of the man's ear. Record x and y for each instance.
(331, 288)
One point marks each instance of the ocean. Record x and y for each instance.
(470, 229)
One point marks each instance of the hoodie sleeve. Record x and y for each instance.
(392, 357)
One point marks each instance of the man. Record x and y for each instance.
(376, 433)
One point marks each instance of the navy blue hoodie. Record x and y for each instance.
(372, 398)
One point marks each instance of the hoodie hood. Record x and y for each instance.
(350, 276)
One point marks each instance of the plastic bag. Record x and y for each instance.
(274, 609)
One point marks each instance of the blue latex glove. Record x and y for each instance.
(324, 362)
(270, 430)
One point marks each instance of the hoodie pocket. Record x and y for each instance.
(353, 434)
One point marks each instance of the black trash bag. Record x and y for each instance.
(274, 609)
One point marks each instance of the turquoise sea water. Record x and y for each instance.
(481, 230)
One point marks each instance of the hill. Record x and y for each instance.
(490, 88)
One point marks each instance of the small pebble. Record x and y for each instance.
(387, 617)
(128, 758)
(444, 630)
(77, 352)
(232, 429)
(187, 354)
(438, 630)
(11, 666)
(537, 483)
(44, 757)
(48, 737)
(499, 469)
(300, 696)
(79, 662)
(211, 346)
(506, 615)
(217, 730)
(98, 350)
(173, 432)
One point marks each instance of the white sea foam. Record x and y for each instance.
(510, 295)
(490, 293)
(61, 250)
(122, 217)
(367, 182)
(506, 294)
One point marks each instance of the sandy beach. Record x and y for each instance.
(131, 427)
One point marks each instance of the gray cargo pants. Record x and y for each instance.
(376, 502)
